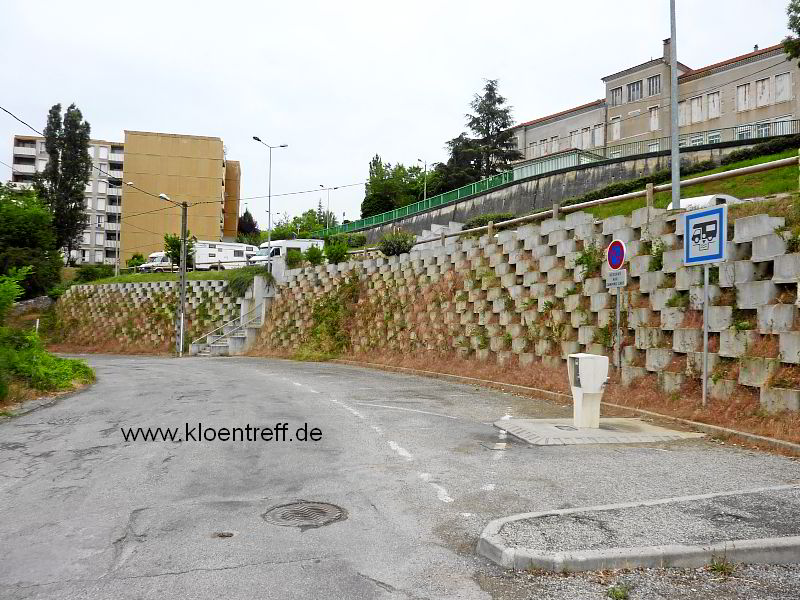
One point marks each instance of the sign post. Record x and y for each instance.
(705, 235)
(617, 278)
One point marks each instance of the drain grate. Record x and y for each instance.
(304, 514)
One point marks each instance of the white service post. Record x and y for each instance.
(588, 374)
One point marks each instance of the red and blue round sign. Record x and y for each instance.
(616, 254)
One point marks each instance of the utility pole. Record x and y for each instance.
(184, 217)
(673, 109)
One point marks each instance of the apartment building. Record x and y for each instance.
(100, 240)
(190, 168)
(748, 96)
(187, 168)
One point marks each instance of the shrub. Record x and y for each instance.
(483, 220)
(591, 257)
(353, 240)
(135, 260)
(656, 256)
(294, 258)
(313, 255)
(336, 252)
(771, 147)
(240, 280)
(86, 273)
(10, 289)
(393, 244)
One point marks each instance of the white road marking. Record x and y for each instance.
(424, 412)
(400, 450)
(441, 493)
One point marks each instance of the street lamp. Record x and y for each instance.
(182, 302)
(424, 180)
(328, 210)
(269, 199)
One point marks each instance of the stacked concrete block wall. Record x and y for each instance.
(141, 316)
(537, 293)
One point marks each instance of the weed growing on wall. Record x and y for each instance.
(591, 258)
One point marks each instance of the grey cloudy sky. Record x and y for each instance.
(337, 81)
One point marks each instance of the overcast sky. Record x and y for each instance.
(337, 81)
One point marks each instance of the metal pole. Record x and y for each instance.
(617, 336)
(673, 110)
(705, 333)
(425, 183)
(184, 217)
(269, 214)
(328, 211)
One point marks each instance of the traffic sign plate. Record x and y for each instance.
(617, 279)
(705, 233)
(616, 254)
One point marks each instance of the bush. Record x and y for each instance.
(336, 252)
(353, 240)
(135, 260)
(294, 258)
(240, 280)
(313, 255)
(771, 147)
(483, 220)
(86, 273)
(393, 244)
(10, 289)
(55, 292)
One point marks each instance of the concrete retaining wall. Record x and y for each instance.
(525, 296)
(141, 316)
(529, 195)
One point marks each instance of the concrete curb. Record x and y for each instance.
(560, 397)
(776, 550)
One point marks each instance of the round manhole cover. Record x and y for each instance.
(304, 514)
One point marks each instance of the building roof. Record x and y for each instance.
(563, 113)
(708, 69)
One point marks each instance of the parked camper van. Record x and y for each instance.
(221, 255)
(157, 262)
(279, 250)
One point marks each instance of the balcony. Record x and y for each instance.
(24, 151)
(114, 191)
(115, 174)
(25, 168)
(112, 226)
(114, 208)
(115, 157)
(112, 243)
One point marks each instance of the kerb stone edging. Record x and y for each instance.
(775, 550)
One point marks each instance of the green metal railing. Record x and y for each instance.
(572, 159)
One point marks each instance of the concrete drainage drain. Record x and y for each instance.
(304, 514)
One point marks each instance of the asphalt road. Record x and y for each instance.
(414, 462)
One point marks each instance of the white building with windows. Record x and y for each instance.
(745, 97)
(103, 195)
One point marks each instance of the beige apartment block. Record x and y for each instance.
(233, 176)
(186, 168)
(746, 97)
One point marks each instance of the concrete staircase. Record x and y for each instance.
(238, 335)
(436, 231)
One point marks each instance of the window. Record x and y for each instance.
(87, 238)
(714, 137)
(654, 85)
(587, 137)
(744, 132)
(238, 253)
(102, 187)
(615, 128)
(89, 186)
(88, 200)
(111, 236)
(696, 140)
(783, 87)
(100, 219)
(783, 125)
(43, 148)
(574, 140)
(743, 97)
(653, 146)
(683, 113)
(616, 96)
(101, 204)
(554, 143)
(615, 154)
(99, 239)
(697, 109)
(635, 91)
(763, 129)
(41, 164)
(712, 100)
(598, 136)
(112, 218)
(98, 256)
(103, 167)
(103, 153)
(654, 125)
(542, 147)
(762, 92)
(83, 255)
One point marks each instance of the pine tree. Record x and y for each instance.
(62, 183)
(791, 44)
(491, 125)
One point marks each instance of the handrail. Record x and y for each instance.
(205, 335)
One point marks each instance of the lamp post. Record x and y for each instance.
(673, 109)
(328, 209)
(424, 179)
(182, 301)
(269, 198)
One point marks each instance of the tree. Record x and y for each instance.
(172, 246)
(389, 187)
(27, 238)
(135, 260)
(491, 124)
(62, 183)
(791, 44)
(462, 168)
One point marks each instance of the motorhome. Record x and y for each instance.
(157, 262)
(278, 249)
(210, 255)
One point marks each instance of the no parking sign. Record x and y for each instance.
(616, 254)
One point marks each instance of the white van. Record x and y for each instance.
(210, 255)
(157, 262)
(278, 252)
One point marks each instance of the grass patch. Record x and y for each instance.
(721, 566)
(619, 591)
(744, 186)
